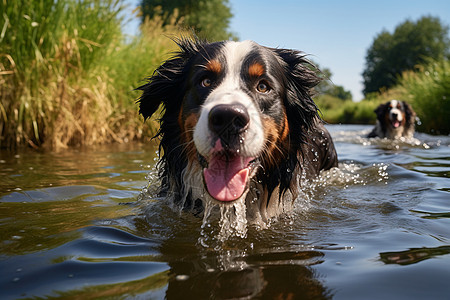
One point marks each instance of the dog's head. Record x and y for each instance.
(230, 109)
(395, 115)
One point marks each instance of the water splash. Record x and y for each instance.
(227, 224)
(232, 223)
(347, 174)
(150, 190)
(360, 137)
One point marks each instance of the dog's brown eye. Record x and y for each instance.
(262, 87)
(206, 82)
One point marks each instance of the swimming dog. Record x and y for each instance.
(395, 119)
(237, 123)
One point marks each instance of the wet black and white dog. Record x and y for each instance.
(395, 119)
(237, 124)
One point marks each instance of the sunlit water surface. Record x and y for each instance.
(77, 224)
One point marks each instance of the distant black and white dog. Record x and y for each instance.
(395, 119)
(237, 124)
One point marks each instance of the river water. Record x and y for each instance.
(77, 224)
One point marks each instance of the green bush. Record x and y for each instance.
(335, 110)
(429, 93)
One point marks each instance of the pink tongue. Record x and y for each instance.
(396, 124)
(226, 179)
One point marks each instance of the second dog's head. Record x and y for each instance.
(396, 118)
(229, 110)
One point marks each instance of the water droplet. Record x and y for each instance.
(182, 277)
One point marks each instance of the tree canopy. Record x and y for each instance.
(327, 87)
(411, 44)
(209, 18)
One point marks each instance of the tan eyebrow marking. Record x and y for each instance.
(256, 70)
(214, 66)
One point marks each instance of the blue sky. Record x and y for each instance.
(336, 34)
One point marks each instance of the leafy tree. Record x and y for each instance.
(338, 91)
(411, 44)
(209, 18)
(326, 87)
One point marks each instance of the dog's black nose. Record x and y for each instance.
(228, 119)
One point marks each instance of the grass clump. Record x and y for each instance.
(52, 89)
(67, 76)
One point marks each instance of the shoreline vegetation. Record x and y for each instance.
(427, 89)
(68, 76)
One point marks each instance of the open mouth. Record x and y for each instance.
(226, 174)
(395, 123)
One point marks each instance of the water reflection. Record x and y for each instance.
(91, 262)
(413, 256)
(271, 282)
(31, 224)
(28, 170)
(262, 264)
(236, 274)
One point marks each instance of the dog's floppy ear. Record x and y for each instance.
(166, 85)
(380, 111)
(410, 114)
(162, 86)
(301, 77)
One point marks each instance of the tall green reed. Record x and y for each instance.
(67, 76)
(46, 47)
(429, 92)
